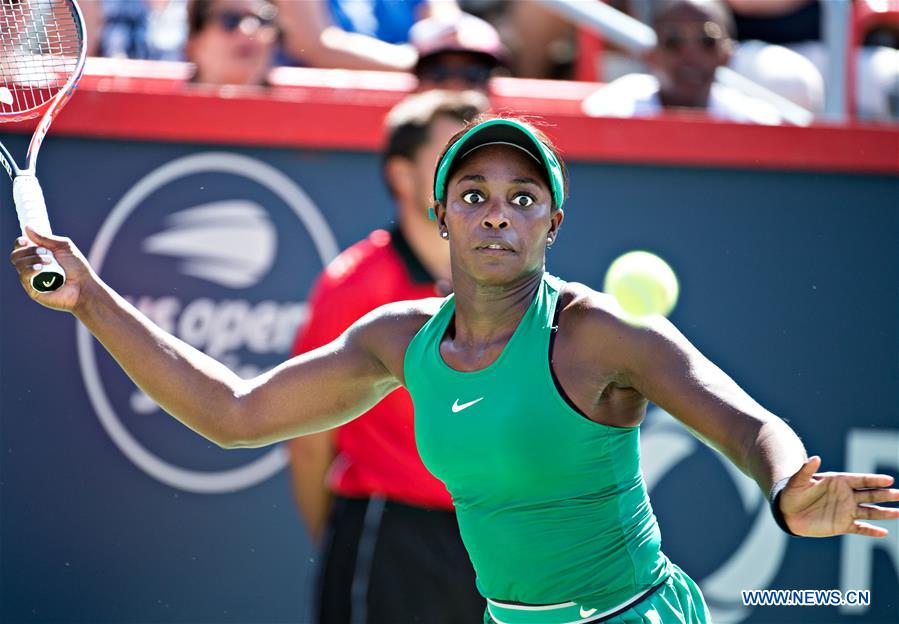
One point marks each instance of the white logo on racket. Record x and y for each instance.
(213, 256)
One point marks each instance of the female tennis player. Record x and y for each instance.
(528, 391)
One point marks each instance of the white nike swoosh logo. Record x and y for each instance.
(458, 408)
(587, 612)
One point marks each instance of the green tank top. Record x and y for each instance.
(552, 507)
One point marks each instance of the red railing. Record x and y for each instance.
(341, 109)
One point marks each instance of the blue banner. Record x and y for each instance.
(112, 512)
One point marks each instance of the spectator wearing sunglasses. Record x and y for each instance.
(231, 41)
(694, 40)
(456, 52)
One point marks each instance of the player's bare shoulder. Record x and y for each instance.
(593, 325)
(583, 309)
(594, 329)
(387, 330)
(400, 320)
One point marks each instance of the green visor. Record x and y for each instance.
(501, 131)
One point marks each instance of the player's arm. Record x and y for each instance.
(309, 393)
(661, 364)
(310, 35)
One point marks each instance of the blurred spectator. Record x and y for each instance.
(693, 42)
(141, 29)
(355, 34)
(542, 42)
(125, 29)
(456, 52)
(386, 20)
(231, 41)
(796, 24)
(781, 70)
(391, 551)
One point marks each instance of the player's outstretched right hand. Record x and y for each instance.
(31, 252)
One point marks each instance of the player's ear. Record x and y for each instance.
(438, 211)
(556, 218)
(400, 176)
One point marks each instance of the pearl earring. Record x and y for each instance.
(444, 234)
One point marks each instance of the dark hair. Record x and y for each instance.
(532, 124)
(408, 124)
(197, 14)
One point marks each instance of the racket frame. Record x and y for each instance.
(49, 109)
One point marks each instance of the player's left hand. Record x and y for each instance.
(823, 504)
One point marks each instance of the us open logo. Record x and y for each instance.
(218, 249)
(701, 488)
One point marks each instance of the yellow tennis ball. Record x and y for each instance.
(642, 283)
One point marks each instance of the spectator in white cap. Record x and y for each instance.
(456, 52)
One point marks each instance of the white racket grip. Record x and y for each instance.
(30, 206)
(32, 211)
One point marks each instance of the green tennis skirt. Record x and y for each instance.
(677, 600)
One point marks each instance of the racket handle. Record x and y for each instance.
(32, 211)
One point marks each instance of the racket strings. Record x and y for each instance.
(40, 45)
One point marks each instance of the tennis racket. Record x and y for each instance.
(42, 50)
